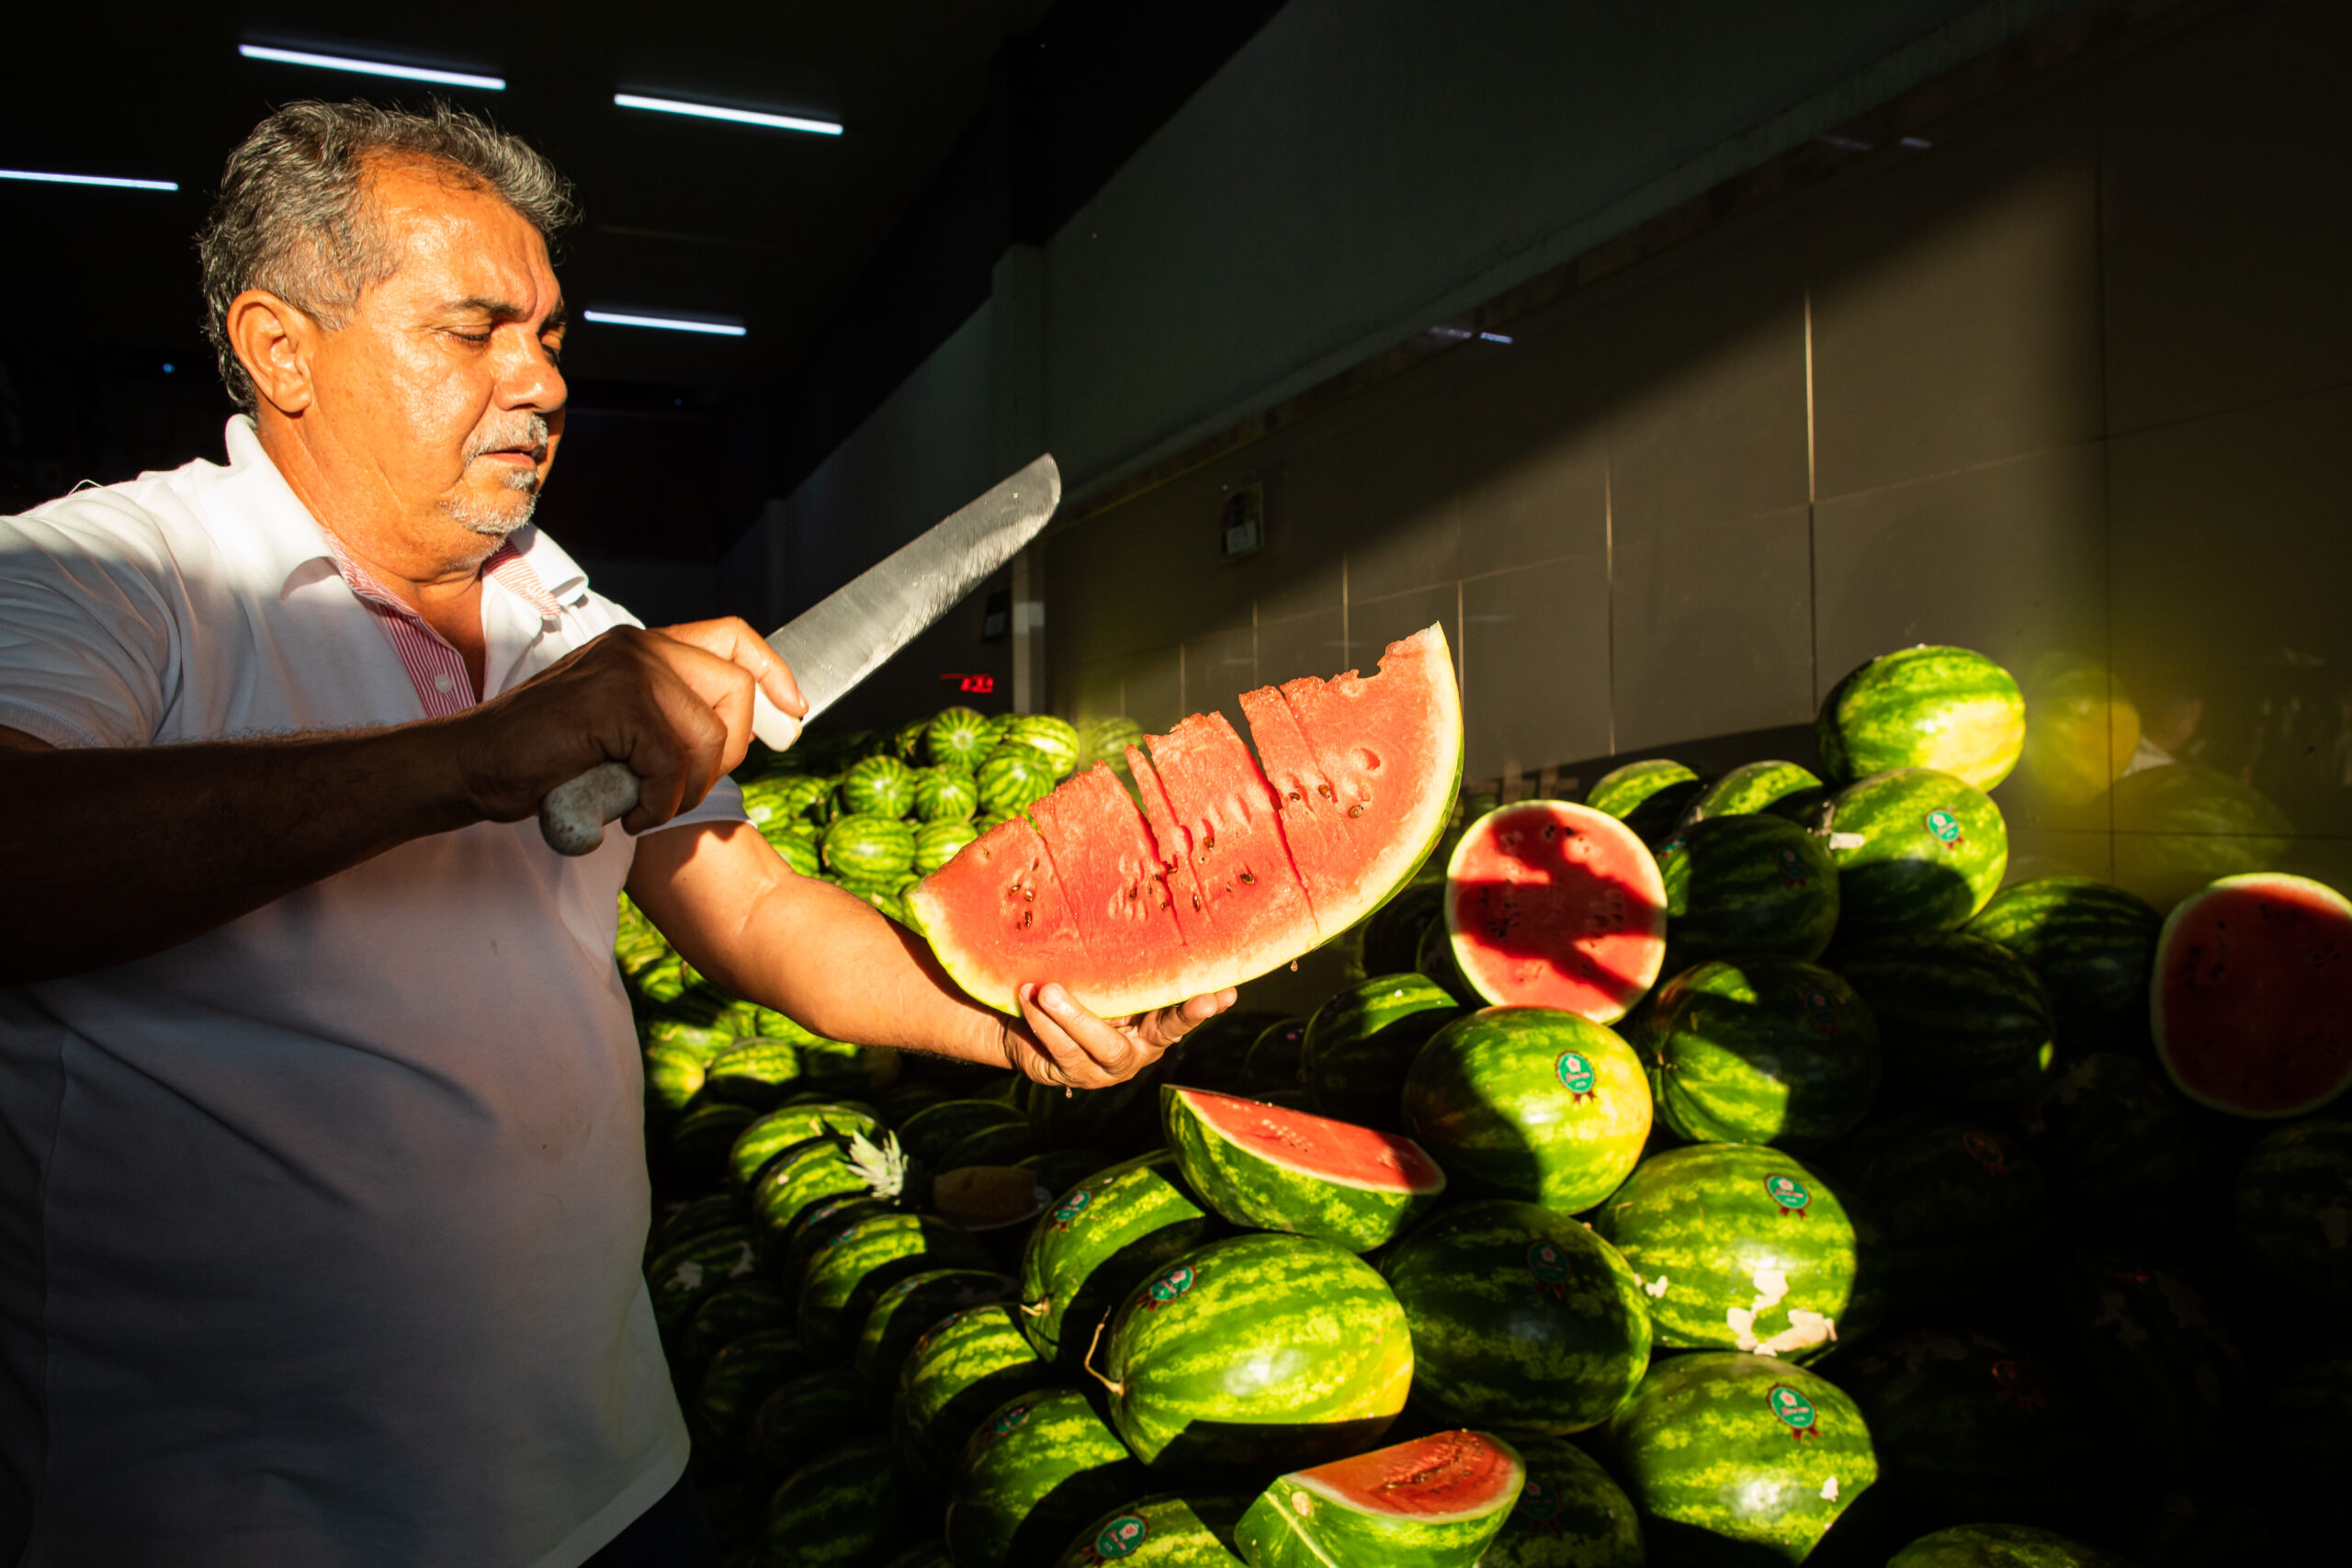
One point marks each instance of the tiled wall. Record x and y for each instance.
(2073, 383)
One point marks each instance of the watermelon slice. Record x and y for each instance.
(1432, 1503)
(1274, 1168)
(2252, 999)
(1556, 906)
(1218, 869)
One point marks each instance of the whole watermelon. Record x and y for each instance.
(2294, 1217)
(937, 842)
(1736, 1458)
(797, 852)
(2108, 1130)
(2000, 1546)
(1749, 788)
(1946, 708)
(1739, 885)
(1964, 1422)
(1053, 738)
(1738, 1247)
(905, 1312)
(1258, 1350)
(1039, 1470)
(2093, 947)
(1954, 1206)
(1360, 1044)
(805, 1418)
(674, 1075)
(803, 1175)
(1012, 777)
(1106, 741)
(960, 1370)
(2181, 826)
(1762, 1051)
(726, 1315)
(699, 1142)
(847, 1507)
(787, 1127)
(1098, 1242)
(1523, 1320)
(1569, 1514)
(1963, 1020)
(882, 895)
(880, 786)
(1916, 850)
(957, 737)
(1530, 1103)
(688, 1274)
(2081, 731)
(906, 742)
(1276, 1058)
(946, 795)
(1647, 796)
(935, 1129)
(2307, 1422)
(757, 1073)
(2163, 1376)
(739, 1380)
(1168, 1530)
(869, 849)
(860, 1261)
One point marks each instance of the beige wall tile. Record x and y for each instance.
(1954, 306)
(1534, 649)
(1545, 501)
(1301, 646)
(1217, 667)
(2228, 215)
(2052, 851)
(1372, 625)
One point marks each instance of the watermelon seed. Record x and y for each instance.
(1196, 900)
(1357, 809)
(1295, 795)
(1325, 791)
(1027, 916)
(1249, 878)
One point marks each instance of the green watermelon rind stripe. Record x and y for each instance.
(1748, 906)
(1724, 1073)
(1125, 1203)
(1899, 875)
(1257, 1189)
(1874, 720)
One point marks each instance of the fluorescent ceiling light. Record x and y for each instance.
(87, 180)
(668, 324)
(372, 67)
(740, 117)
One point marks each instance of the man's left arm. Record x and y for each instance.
(741, 916)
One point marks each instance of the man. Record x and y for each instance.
(319, 1106)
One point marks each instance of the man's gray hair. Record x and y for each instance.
(293, 217)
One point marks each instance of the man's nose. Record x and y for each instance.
(532, 381)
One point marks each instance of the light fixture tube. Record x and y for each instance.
(88, 180)
(373, 67)
(667, 324)
(739, 116)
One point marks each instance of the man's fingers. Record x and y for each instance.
(732, 638)
(1071, 1063)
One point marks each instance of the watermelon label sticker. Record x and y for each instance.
(1944, 826)
(1070, 1208)
(1985, 1150)
(1795, 1411)
(1789, 1193)
(1168, 1287)
(1539, 1506)
(1121, 1537)
(1550, 1267)
(1792, 872)
(1577, 1074)
(1822, 1009)
(1011, 1420)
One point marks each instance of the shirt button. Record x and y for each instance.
(442, 683)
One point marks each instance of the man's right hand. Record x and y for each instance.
(673, 705)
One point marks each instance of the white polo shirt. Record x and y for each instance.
(319, 1233)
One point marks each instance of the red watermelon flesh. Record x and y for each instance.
(1338, 1152)
(1026, 904)
(1556, 905)
(1314, 822)
(2252, 999)
(1447, 1475)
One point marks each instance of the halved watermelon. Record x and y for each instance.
(1559, 906)
(1431, 1502)
(1274, 1168)
(1219, 870)
(2252, 1001)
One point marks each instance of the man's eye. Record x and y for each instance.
(471, 337)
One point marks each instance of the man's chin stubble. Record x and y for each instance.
(472, 516)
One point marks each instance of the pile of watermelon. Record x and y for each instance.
(1714, 1169)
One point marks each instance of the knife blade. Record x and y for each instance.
(844, 637)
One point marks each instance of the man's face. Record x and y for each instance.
(440, 391)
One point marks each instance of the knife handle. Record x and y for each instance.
(572, 816)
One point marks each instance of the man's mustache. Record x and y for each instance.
(530, 436)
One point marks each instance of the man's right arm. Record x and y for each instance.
(115, 853)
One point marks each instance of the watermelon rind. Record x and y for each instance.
(2183, 825)
(790, 1125)
(937, 844)
(1040, 1467)
(1167, 1529)
(960, 1369)
(1962, 1019)
(1013, 776)
(1259, 1349)
(1948, 708)
(2108, 1130)
(1761, 1050)
(859, 1262)
(2245, 1045)
(869, 849)
(804, 1419)
(1530, 1103)
(905, 1312)
(1955, 1205)
(2001, 1546)
(2293, 1212)
(1522, 1319)
(945, 795)
(1647, 796)
(1434, 1502)
(1749, 788)
(732, 1388)
(1491, 925)
(1056, 740)
(1916, 850)
(1968, 1422)
(2093, 947)
(1097, 1242)
(1276, 1059)
(1252, 1183)
(880, 786)
(1359, 1045)
(956, 738)
(1738, 1247)
(1722, 1451)
(1569, 1514)
(847, 1507)
(1747, 884)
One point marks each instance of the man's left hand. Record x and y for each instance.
(1058, 1043)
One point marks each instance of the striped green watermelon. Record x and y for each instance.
(1946, 708)
(1053, 738)
(1964, 1420)
(2000, 1546)
(1255, 1351)
(960, 1369)
(946, 795)
(1434, 1502)
(699, 1037)
(1916, 850)
(1649, 797)
(848, 1072)
(1738, 1246)
(1740, 884)
(799, 854)
(906, 742)
(771, 803)
(758, 1073)
(1554, 905)
(1762, 1051)
(880, 786)
(739, 1380)
(882, 895)
(860, 1261)
(1749, 788)
(937, 844)
(674, 1075)
(958, 738)
(1569, 1514)
(1530, 1103)
(1098, 1243)
(790, 1125)
(1263, 1166)
(686, 1275)
(2108, 1130)
(1214, 1055)
(1277, 1057)
(2093, 947)
(1039, 1468)
(1013, 777)
(1106, 741)
(999, 1142)
(2294, 1216)
(1962, 1019)
(2183, 825)
(932, 1131)
(683, 1222)
(2252, 1002)
(1168, 1530)
(1952, 1204)
(870, 849)
(844, 1510)
(1359, 1045)
(1392, 934)
(1057, 1170)
(1739, 1458)
(804, 1419)
(802, 1175)
(725, 1316)
(699, 1142)
(785, 1255)
(904, 1313)
(1523, 1320)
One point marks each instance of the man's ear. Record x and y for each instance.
(274, 339)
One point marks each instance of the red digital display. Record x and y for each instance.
(982, 684)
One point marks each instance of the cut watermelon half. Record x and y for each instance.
(1557, 906)
(1272, 1168)
(2252, 999)
(1217, 869)
(1435, 1502)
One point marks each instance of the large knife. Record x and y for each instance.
(845, 637)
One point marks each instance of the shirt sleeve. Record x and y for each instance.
(723, 804)
(88, 652)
